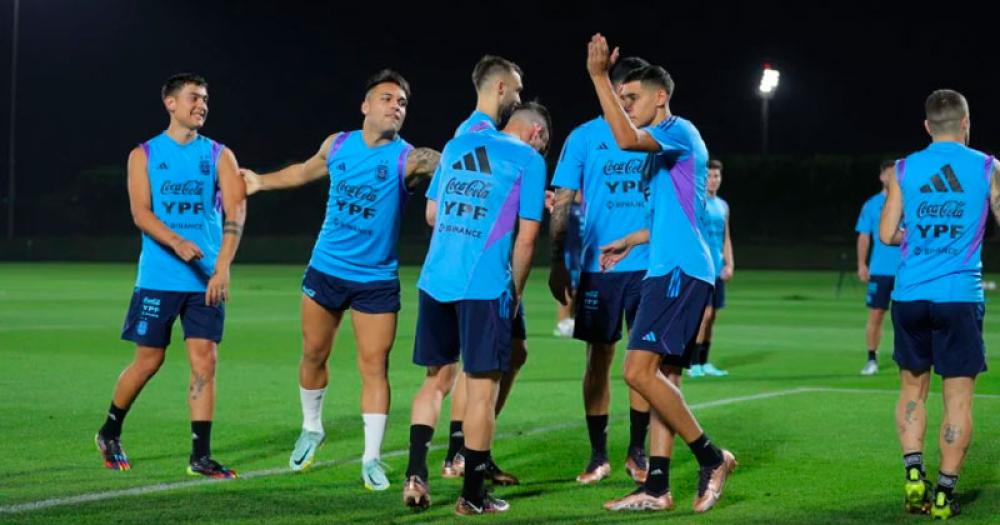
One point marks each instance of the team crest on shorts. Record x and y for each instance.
(142, 328)
(205, 167)
(382, 171)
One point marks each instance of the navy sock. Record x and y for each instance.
(637, 432)
(455, 439)
(420, 442)
(658, 479)
(475, 475)
(707, 454)
(113, 423)
(597, 428)
(201, 439)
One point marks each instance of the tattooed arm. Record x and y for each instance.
(420, 165)
(995, 190)
(234, 204)
(559, 281)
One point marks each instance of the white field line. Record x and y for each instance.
(174, 485)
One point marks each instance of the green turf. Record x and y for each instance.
(814, 456)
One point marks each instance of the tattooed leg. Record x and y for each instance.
(956, 426)
(911, 412)
(201, 392)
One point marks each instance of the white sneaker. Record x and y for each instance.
(870, 369)
(564, 328)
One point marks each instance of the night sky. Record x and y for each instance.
(285, 75)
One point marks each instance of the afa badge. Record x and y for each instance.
(205, 167)
(142, 328)
(382, 171)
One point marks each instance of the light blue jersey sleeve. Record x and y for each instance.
(865, 225)
(572, 162)
(533, 190)
(432, 188)
(668, 141)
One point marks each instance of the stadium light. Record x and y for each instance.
(769, 79)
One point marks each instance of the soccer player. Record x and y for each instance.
(679, 279)
(471, 285)
(498, 90)
(189, 202)
(881, 274)
(354, 264)
(614, 195)
(944, 193)
(719, 242)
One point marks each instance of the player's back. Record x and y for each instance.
(679, 173)
(484, 182)
(945, 191)
(476, 122)
(367, 191)
(184, 195)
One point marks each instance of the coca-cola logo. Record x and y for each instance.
(944, 210)
(623, 167)
(476, 189)
(362, 192)
(188, 187)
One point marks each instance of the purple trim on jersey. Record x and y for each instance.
(508, 215)
(479, 126)
(904, 246)
(988, 168)
(145, 149)
(337, 143)
(583, 203)
(900, 168)
(216, 151)
(977, 241)
(682, 175)
(404, 192)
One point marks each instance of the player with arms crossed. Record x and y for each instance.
(189, 202)
(354, 264)
(678, 282)
(471, 285)
(944, 192)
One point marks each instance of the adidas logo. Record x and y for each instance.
(649, 338)
(162, 166)
(656, 472)
(938, 184)
(602, 146)
(470, 160)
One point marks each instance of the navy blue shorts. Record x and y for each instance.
(151, 315)
(478, 331)
(719, 295)
(602, 301)
(948, 336)
(336, 294)
(879, 291)
(669, 316)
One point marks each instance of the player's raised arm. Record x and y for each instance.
(892, 212)
(140, 204)
(421, 164)
(234, 206)
(599, 62)
(292, 176)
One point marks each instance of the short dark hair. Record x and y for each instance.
(387, 75)
(945, 109)
(542, 113)
(715, 164)
(655, 75)
(490, 65)
(624, 66)
(178, 81)
(886, 164)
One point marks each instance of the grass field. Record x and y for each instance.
(815, 441)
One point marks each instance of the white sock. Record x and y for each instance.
(374, 430)
(312, 409)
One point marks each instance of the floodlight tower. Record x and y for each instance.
(768, 85)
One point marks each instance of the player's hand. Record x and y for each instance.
(550, 200)
(187, 250)
(727, 273)
(599, 59)
(559, 283)
(252, 181)
(612, 254)
(863, 275)
(218, 288)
